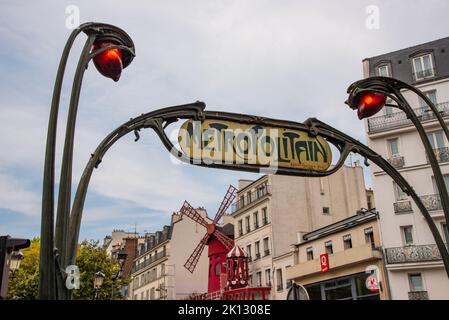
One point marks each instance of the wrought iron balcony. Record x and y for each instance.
(413, 254)
(418, 295)
(424, 74)
(442, 154)
(250, 198)
(279, 287)
(432, 202)
(147, 262)
(397, 161)
(402, 207)
(399, 119)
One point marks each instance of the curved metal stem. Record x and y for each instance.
(46, 264)
(65, 181)
(155, 119)
(398, 178)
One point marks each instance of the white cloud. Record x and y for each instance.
(18, 196)
(289, 60)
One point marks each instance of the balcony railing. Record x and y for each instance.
(409, 254)
(424, 74)
(418, 295)
(399, 119)
(257, 256)
(442, 154)
(248, 199)
(432, 202)
(279, 287)
(397, 161)
(149, 261)
(266, 253)
(402, 207)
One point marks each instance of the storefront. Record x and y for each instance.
(353, 287)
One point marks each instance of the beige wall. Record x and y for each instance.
(177, 281)
(295, 204)
(342, 262)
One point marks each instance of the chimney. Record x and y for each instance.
(131, 253)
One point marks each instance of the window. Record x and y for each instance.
(147, 294)
(217, 267)
(240, 226)
(152, 295)
(407, 235)
(259, 278)
(436, 139)
(262, 190)
(266, 247)
(432, 95)
(415, 281)
(446, 182)
(347, 241)
(383, 71)
(265, 215)
(248, 197)
(268, 277)
(393, 147)
(326, 210)
(369, 202)
(248, 252)
(399, 194)
(248, 227)
(309, 252)
(445, 232)
(423, 67)
(279, 280)
(328, 247)
(369, 236)
(162, 269)
(256, 219)
(257, 245)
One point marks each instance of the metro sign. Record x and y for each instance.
(324, 262)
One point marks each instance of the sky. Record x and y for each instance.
(279, 59)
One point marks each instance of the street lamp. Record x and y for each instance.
(14, 262)
(112, 50)
(9, 247)
(368, 97)
(121, 258)
(98, 282)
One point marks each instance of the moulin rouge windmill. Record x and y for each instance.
(219, 244)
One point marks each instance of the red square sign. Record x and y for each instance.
(324, 261)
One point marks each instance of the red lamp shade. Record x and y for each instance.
(370, 103)
(109, 63)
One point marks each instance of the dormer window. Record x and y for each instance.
(423, 67)
(383, 70)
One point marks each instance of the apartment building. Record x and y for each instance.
(114, 242)
(270, 211)
(353, 255)
(158, 272)
(413, 262)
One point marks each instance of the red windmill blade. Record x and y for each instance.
(196, 254)
(227, 200)
(211, 228)
(189, 211)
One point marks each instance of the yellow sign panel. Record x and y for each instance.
(228, 142)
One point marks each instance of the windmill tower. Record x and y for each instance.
(219, 244)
